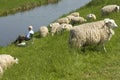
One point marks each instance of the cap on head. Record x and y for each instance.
(30, 27)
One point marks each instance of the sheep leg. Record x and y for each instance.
(104, 48)
(1, 72)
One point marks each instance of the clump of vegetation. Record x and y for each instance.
(13, 6)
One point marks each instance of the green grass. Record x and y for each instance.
(51, 58)
(13, 6)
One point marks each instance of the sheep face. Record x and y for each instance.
(91, 16)
(16, 60)
(110, 23)
(117, 8)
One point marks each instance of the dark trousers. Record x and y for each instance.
(21, 38)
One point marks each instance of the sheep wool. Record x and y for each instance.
(43, 31)
(63, 20)
(93, 33)
(54, 27)
(67, 27)
(109, 9)
(75, 20)
(6, 61)
(75, 14)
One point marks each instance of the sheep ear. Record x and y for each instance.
(117, 8)
(106, 20)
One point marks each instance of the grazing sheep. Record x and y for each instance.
(59, 29)
(55, 28)
(43, 30)
(63, 20)
(91, 17)
(70, 17)
(54, 24)
(94, 33)
(66, 27)
(109, 9)
(7, 61)
(75, 14)
(75, 20)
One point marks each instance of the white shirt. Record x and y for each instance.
(29, 33)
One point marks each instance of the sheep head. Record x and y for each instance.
(110, 23)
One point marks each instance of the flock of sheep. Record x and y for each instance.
(92, 33)
(65, 23)
(97, 33)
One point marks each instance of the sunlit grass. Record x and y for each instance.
(51, 58)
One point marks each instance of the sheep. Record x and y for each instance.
(75, 20)
(59, 29)
(56, 28)
(91, 17)
(70, 17)
(75, 14)
(63, 20)
(7, 61)
(94, 33)
(54, 24)
(109, 9)
(66, 27)
(43, 30)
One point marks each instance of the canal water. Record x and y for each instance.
(14, 25)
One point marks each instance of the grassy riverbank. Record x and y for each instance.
(13, 6)
(51, 58)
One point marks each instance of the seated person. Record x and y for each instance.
(27, 37)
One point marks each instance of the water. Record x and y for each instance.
(14, 25)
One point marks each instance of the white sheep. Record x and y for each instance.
(70, 17)
(59, 29)
(94, 33)
(66, 27)
(3, 63)
(109, 9)
(54, 24)
(75, 14)
(55, 28)
(7, 61)
(91, 17)
(63, 20)
(75, 20)
(43, 30)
